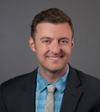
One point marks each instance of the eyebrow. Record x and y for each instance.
(64, 38)
(52, 38)
(45, 38)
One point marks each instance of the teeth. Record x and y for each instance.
(54, 58)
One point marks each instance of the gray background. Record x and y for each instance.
(16, 57)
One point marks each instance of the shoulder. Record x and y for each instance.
(86, 78)
(18, 81)
(89, 84)
(86, 81)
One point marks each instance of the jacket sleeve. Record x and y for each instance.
(2, 109)
(99, 109)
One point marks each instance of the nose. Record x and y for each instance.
(55, 47)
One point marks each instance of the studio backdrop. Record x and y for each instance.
(16, 57)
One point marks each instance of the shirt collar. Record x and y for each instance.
(60, 84)
(41, 82)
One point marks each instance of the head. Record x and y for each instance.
(52, 15)
(52, 40)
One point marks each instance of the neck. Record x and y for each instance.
(52, 76)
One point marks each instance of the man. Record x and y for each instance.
(52, 39)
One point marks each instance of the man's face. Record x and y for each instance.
(53, 44)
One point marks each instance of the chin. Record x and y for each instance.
(54, 70)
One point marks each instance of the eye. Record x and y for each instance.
(63, 41)
(46, 41)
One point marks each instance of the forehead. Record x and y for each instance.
(53, 29)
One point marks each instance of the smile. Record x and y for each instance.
(54, 57)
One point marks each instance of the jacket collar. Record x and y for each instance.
(27, 97)
(72, 92)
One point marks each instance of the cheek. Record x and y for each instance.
(67, 50)
(44, 47)
(41, 49)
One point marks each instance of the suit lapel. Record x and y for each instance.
(27, 97)
(72, 94)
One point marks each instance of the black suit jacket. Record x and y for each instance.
(82, 93)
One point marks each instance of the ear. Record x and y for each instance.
(32, 44)
(72, 42)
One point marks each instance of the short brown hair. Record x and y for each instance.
(52, 15)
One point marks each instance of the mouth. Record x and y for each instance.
(55, 58)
